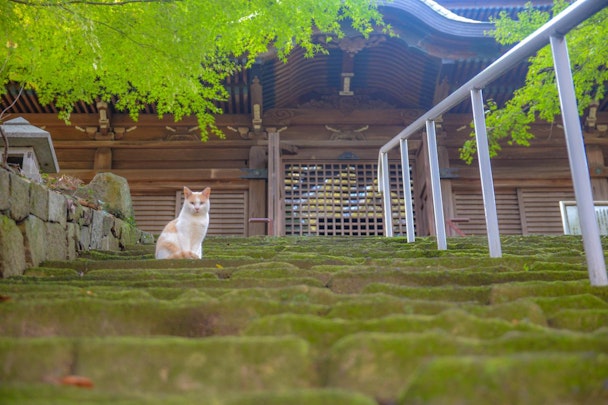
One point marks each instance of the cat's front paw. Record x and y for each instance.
(191, 255)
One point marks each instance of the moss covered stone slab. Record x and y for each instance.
(303, 397)
(211, 367)
(518, 379)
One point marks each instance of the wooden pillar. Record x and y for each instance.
(257, 192)
(425, 223)
(446, 190)
(103, 159)
(275, 192)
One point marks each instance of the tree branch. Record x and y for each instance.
(4, 161)
(88, 3)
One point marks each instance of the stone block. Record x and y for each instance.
(4, 190)
(12, 259)
(128, 234)
(58, 207)
(73, 235)
(19, 197)
(112, 191)
(35, 243)
(110, 243)
(86, 216)
(146, 238)
(96, 230)
(108, 223)
(84, 238)
(56, 241)
(39, 201)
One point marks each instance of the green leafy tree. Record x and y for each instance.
(538, 98)
(173, 54)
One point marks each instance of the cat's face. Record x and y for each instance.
(197, 202)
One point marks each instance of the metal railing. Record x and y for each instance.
(551, 33)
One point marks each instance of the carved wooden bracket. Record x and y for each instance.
(105, 132)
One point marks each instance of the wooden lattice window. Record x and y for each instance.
(339, 199)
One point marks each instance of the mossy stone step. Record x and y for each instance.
(321, 320)
(384, 366)
(211, 367)
(66, 395)
(518, 379)
(322, 333)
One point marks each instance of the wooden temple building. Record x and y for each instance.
(332, 113)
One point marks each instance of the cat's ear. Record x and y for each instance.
(187, 192)
(207, 192)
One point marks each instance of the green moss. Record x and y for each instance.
(552, 305)
(51, 272)
(582, 320)
(55, 393)
(321, 332)
(303, 397)
(296, 294)
(35, 361)
(522, 310)
(277, 270)
(519, 379)
(380, 365)
(131, 365)
(512, 291)
(212, 366)
(549, 341)
(449, 293)
(366, 314)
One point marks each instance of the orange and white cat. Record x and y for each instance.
(183, 237)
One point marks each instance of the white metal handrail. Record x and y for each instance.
(551, 33)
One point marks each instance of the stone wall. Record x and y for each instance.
(38, 224)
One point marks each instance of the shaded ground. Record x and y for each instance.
(310, 321)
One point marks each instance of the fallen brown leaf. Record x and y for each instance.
(77, 381)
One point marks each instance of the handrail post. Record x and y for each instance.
(386, 195)
(407, 190)
(578, 163)
(431, 138)
(485, 173)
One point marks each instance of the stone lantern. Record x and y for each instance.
(30, 147)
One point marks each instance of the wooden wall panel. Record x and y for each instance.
(469, 207)
(541, 212)
(153, 212)
(228, 215)
(520, 211)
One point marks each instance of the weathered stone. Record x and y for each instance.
(58, 208)
(112, 191)
(19, 197)
(86, 216)
(84, 238)
(73, 247)
(12, 259)
(4, 190)
(39, 201)
(74, 210)
(110, 243)
(56, 241)
(146, 238)
(35, 243)
(108, 223)
(127, 233)
(96, 230)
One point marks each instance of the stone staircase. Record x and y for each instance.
(310, 321)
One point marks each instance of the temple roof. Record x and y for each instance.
(439, 45)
